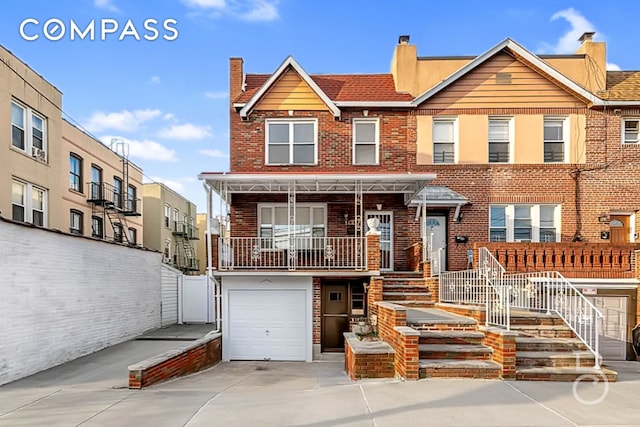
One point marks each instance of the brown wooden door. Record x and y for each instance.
(620, 229)
(335, 316)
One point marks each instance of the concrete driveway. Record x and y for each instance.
(87, 393)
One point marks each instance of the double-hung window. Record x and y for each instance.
(96, 182)
(75, 221)
(133, 236)
(444, 136)
(117, 191)
(524, 223)
(310, 222)
(499, 140)
(131, 199)
(366, 140)
(176, 220)
(75, 172)
(291, 142)
(96, 227)
(29, 203)
(167, 214)
(554, 139)
(631, 131)
(28, 131)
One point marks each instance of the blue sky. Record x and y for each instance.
(169, 98)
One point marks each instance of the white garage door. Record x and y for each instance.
(613, 327)
(267, 324)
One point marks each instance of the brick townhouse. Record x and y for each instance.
(336, 179)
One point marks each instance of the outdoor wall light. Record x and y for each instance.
(365, 113)
(379, 206)
(461, 239)
(603, 218)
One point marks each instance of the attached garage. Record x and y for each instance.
(267, 318)
(613, 326)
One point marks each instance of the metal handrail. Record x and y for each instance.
(498, 307)
(462, 287)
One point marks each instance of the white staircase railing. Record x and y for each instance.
(550, 292)
(498, 309)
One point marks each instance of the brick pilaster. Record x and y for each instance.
(373, 252)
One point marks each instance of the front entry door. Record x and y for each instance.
(386, 237)
(620, 229)
(437, 235)
(335, 316)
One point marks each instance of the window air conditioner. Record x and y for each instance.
(38, 154)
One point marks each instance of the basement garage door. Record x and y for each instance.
(267, 324)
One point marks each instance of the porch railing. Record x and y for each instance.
(462, 287)
(298, 253)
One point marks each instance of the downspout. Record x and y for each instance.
(217, 296)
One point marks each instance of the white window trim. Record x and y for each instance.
(375, 121)
(456, 137)
(622, 130)
(284, 205)
(27, 117)
(28, 202)
(291, 121)
(509, 213)
(565, 136)
(511, 123)
(166, 219)
(80, 216)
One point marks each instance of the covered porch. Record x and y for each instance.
(309, 222)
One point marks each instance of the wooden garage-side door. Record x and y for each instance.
(619, 226)
(613, 327)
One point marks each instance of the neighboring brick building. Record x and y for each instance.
(447, 151)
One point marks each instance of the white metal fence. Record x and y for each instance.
(298, 253)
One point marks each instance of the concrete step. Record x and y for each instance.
(565, 374)
(402, 275)
(413, 303)
(554, 359)
(547, 331)
(455, 351)
(451, 337)
(413, 287)
(525, 343)
(447, 368)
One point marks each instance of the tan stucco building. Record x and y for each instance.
(53, 174)
(169, 226)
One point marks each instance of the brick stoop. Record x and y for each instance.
(547, 350)
(406, 288)
(450, 346)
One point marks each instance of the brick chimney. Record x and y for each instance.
(596, 61)
(236, 78)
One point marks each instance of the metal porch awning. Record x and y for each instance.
(439, 196)
(255, 183)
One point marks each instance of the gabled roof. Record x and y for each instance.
(523, 53)
(622, 86)
(289, 62)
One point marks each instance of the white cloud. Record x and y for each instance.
(246, 10)
(612, 67)
(174, 185)
(217, 154)
(185, 131)
(206, 4)
(261, 10)
(568, 42)
(154, 80)
(221, 94)
(124, 120)
(169, 116)
(145, 149)
(106, 5)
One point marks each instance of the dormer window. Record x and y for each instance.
(291, 142)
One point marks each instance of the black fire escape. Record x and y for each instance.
(184, 254)
(114, 205)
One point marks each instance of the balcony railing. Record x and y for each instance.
(299, 253)
(185, 229)
(107, 195)
(570, 259)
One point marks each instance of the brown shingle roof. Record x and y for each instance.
(622, 86)
(340, 87)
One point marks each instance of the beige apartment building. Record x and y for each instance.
(169, 227)
(54, 175)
